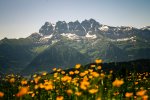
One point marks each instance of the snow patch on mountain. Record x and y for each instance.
(70, 36)
(104, 28)
(91, 36)
(48, 36)
(125, 39)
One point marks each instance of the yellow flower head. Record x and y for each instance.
(145, 97)
(69, 92)
(66, 78)
(24, 82)
(118, 83)
(59, 98)
(128, 94)
(78, 66)
(84, 84)
(82, 74)
(76, 72)
(71, 73)
(93, 91)
(92, 66)
(78, 93)
(44, 73)
(58, 70)
(99, 67)
(22, 91)
(95, 74)
(141, 93)
(136, 83)
(62, 72)
(1, 94)
(98, 61)
(12, 80)
(54, 69)
(36, 87)
(49, 87)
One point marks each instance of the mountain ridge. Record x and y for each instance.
(89, 38)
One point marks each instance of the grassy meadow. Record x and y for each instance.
(78, 83)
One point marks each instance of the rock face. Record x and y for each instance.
(46, 29)
(91, 27)
(76, 27)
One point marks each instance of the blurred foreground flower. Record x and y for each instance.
(22, 91)
(128, 94)
(141, 93)
(78, 66)
(98, 61)
(118, 83)
(1, 94)
(59, 98)
(12, 80)
(93, 91)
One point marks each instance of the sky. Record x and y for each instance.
(20, 18)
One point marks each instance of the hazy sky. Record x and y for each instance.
(20, 18)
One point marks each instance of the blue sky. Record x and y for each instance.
(20, 18)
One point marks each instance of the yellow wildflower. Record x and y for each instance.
(54, 69)
(78, 66)
(1, 94)
(24, 82)
(102, 75)
(98, 61)
(128, 94)
(22, 91)
(36, 87)
(44, 73)
(69, 92)
(98, 98)
(66, 78)
(135, 83)
(145, 97)
(34, 75)
(78, 93)
(71, 73)
(95, 74)
(93, 66)
(12, 80)
(82, 74)
(58, 70)
(59, 98)
(118, 83)
(141, 93)
(90, 70)
(33, 94)
(76, 72)
(93, 91)
(49, 87)
(84, 84)
(99, 67)
(62, 72)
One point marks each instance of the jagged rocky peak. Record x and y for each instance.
(46, 29)
(61, 27)
(75, 27)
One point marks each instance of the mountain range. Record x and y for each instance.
(64, 44)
